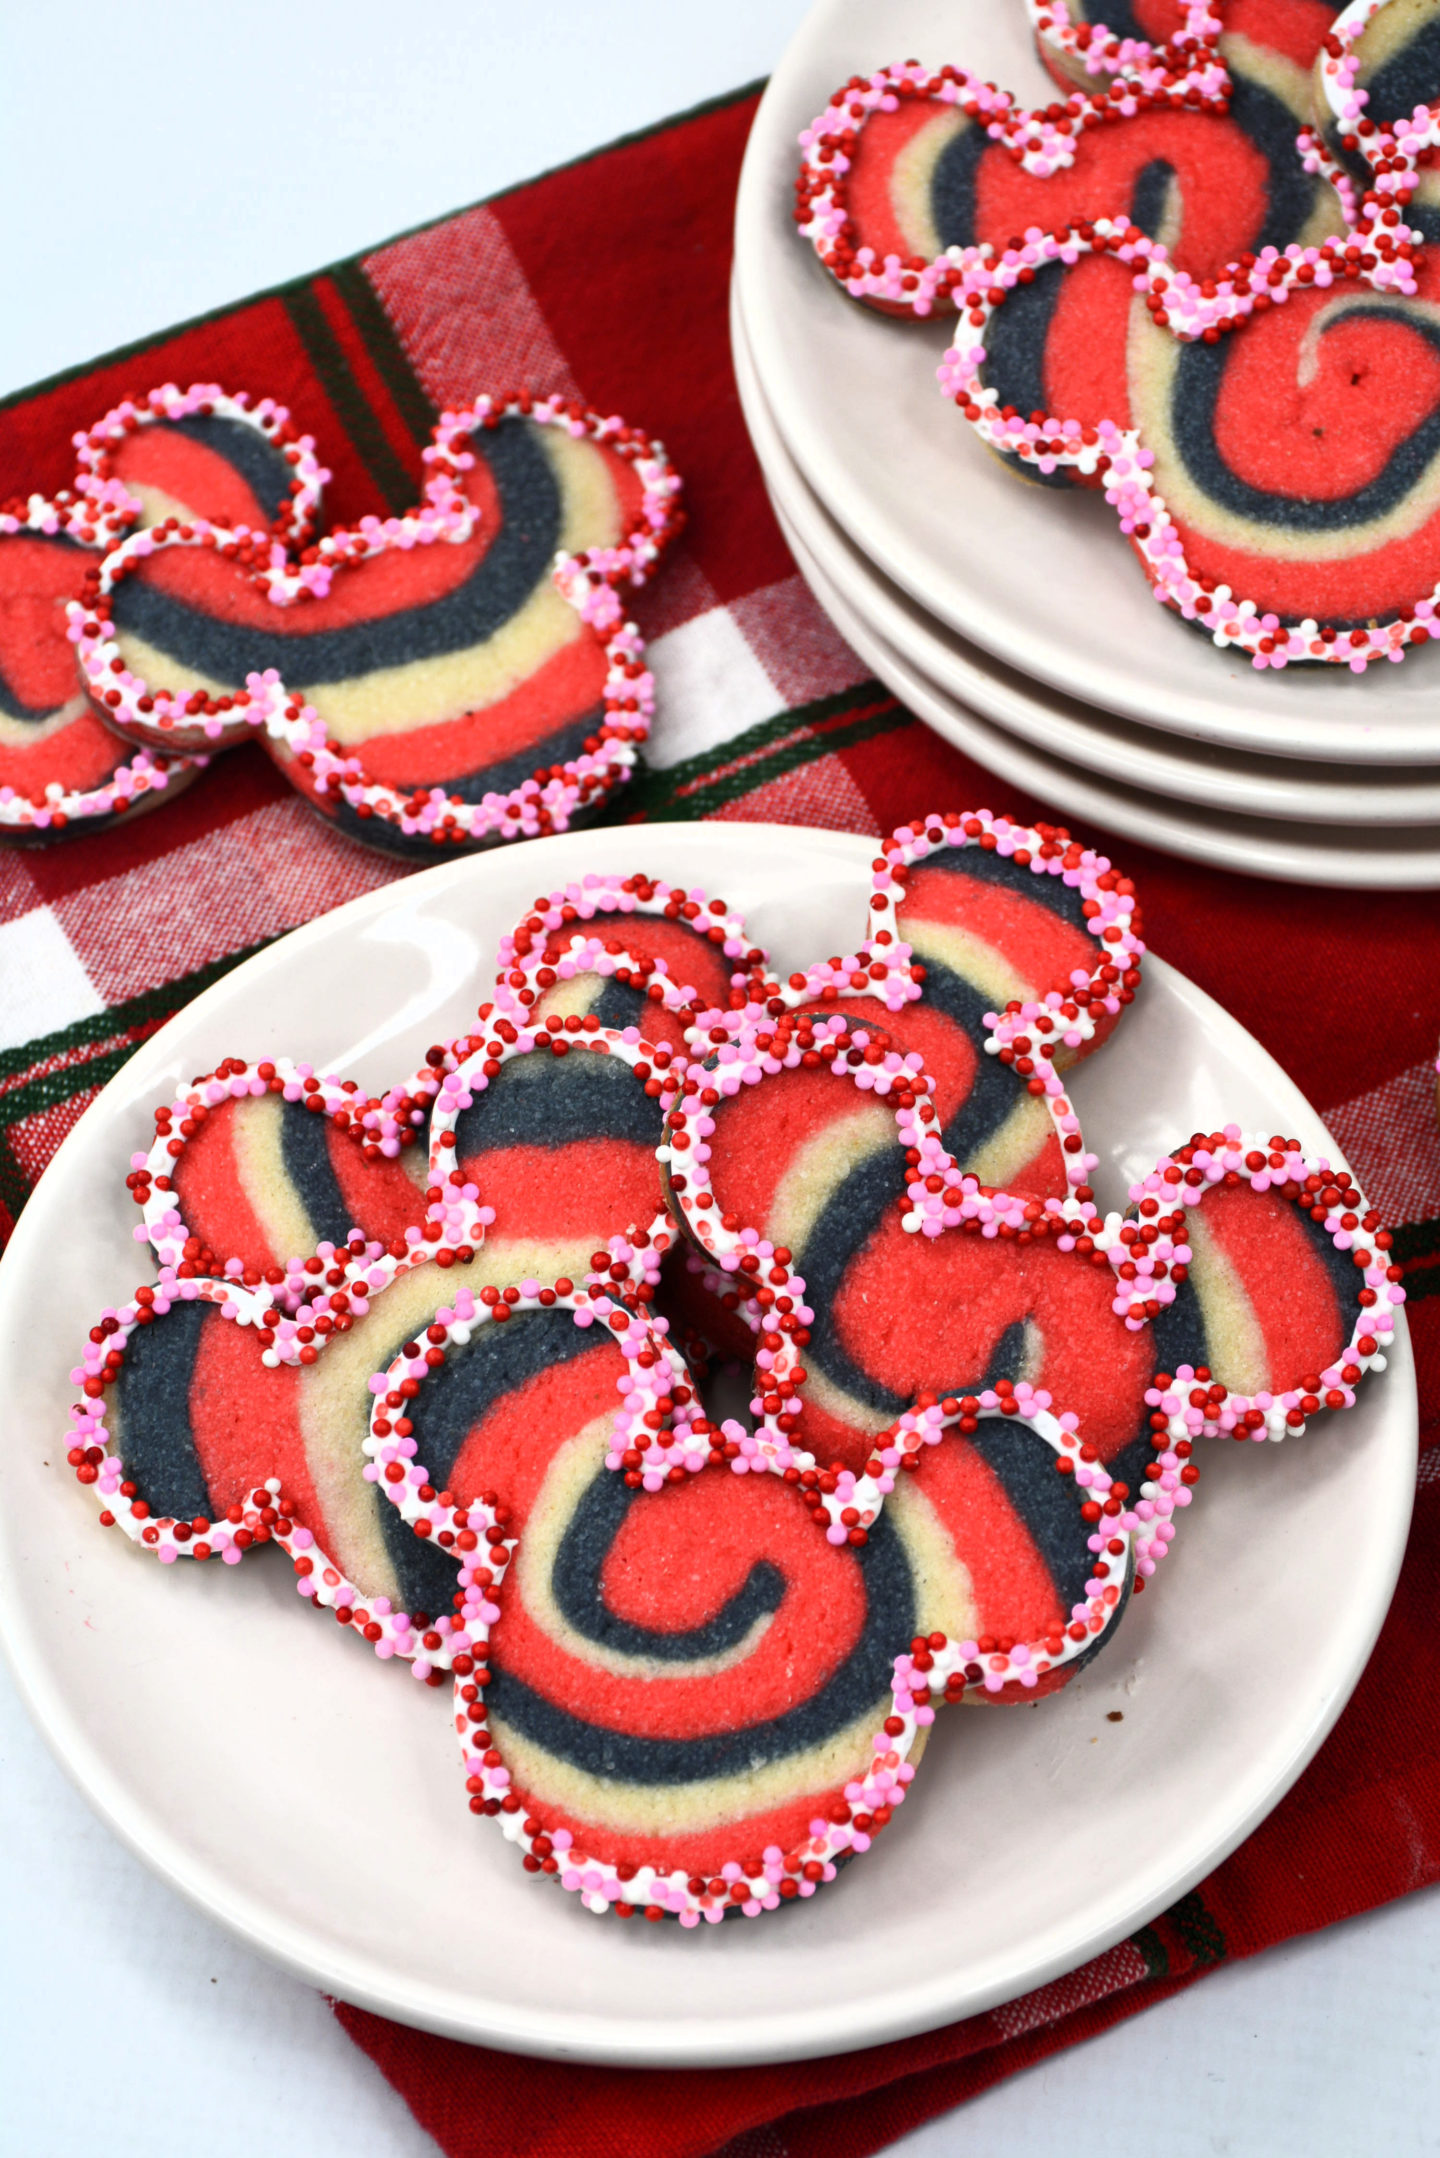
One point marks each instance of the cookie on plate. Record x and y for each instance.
(255, 1167)
(198, 1448)
(809, 1158)
(691, 1700)
(910, 166)
(630, 951)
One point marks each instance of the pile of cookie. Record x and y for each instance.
(452, 677)
(459, 1351)
(1216, 166)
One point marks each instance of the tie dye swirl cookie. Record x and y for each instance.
(911, 166)
(1265, 1280)
(256, 1168)
(458, 675)
(1247, 1290)
(793, 1162)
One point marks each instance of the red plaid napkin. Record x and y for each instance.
(609, 278)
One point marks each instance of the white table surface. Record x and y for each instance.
(267, 140)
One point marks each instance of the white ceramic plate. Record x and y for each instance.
(1164, 764)
(309, 1797)
(1398, 860)
(1040, 578)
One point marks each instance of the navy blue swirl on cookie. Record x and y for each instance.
(200, 1422)
(563, 1148)
(455, 665)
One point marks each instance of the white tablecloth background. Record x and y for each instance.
(156, 162)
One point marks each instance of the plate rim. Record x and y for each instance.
(1156, 703)
(586, 2036)
(1154, 823)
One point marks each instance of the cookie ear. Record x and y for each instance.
(1011, 1527)
(1279, 1294)
(206, 1451)
(62, 771)
(631, 952)
(255, 1166)
(1003, 926)
(201, 453)
(553, 1133)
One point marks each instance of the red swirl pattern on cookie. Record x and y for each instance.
(254, 1167)
(695, 1660)
(910, 165)
(172, 453)
(1291, 1287)
(458, 675)
(61, 770)
(1001, 954)
(686, 1697)
(633, 951)
(549, 1131)
(1265, 505)
(917, 168)
(199, 1449)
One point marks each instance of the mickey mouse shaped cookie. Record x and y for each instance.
(1265, 448)
(695, 1657)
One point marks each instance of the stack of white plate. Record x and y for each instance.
(1014, 618)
